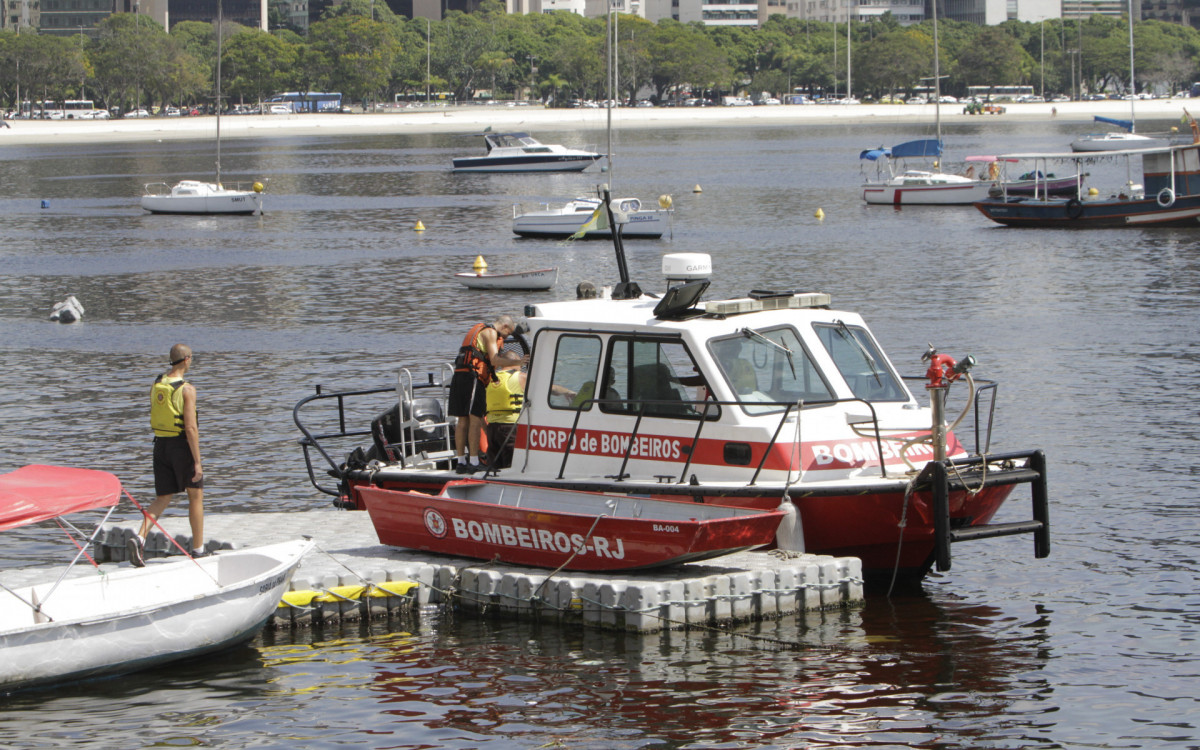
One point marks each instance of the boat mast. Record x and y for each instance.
(611, 80)
(220, 23)
(1132, 82)
(937, 79)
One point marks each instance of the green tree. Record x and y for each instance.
(893, 62)
(255, 64)
(129, 57)
(359, 52)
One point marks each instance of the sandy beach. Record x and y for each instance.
(534, 119)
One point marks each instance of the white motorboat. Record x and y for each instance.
(208, 198)
(121, 619)
(736, 402)
(560, 222)
(521, 152)
(544, 278)
(196, 197)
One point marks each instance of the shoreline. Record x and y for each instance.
(471, 119)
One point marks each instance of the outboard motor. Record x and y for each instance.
(429, 434)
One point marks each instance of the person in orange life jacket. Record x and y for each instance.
(474, 369)
(177, 466)
(505, 398)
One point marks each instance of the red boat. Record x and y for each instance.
(730, 402)
(551, 528)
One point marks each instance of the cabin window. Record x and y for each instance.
(658, 377)
(769, 368)
(860, 362)
(576, 364)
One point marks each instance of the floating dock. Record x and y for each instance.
(351, 576)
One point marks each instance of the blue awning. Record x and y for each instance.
(908, 149)
(1127, 124)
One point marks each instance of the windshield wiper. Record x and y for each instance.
(756, 336)
(844, 332)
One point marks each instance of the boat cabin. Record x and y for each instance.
(667, 390)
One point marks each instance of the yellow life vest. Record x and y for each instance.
(504, 401)
(166, 406)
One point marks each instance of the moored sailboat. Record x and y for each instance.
(566, 220)
(196, 196)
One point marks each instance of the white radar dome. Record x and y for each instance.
(687, 266)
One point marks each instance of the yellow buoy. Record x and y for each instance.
(258, 187)
(820, 214)
(664, 201)
(1093, 192)
(480, 264)
(419, 227)
(697, 189)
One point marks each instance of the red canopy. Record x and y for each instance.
(37, 493)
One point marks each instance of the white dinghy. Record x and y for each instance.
(119, 620)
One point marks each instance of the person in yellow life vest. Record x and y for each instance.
(177, 466)
(474, 369)
(505, 399)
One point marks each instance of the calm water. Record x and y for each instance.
(1093, 336)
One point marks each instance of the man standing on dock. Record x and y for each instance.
(474, 369)
(177, 464)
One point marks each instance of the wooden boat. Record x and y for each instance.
(124, 619)
(543, 278)
(1167, 195)
(551, 528)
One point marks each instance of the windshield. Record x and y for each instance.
(769, 365)
(860, 362)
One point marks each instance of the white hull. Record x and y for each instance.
(571, 164)
(934, 193)
(567, 219)
(132, 618)
(528, 280)
(521, 152)
(1115, 142)
(193, 197)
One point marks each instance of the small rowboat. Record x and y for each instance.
(547, 527)
(122, 619)
(525, 281)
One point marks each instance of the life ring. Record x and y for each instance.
(1166, 197)
(1074, 208)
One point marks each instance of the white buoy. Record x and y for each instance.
(67, 311)
(697, 189)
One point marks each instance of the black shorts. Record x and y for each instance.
(173, 466)
(500, 444)
(467, 396)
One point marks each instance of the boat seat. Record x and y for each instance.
(657, 382)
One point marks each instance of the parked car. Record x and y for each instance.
(137, 113)
(280, 109)
(173, 112)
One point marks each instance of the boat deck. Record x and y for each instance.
(331, 584)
